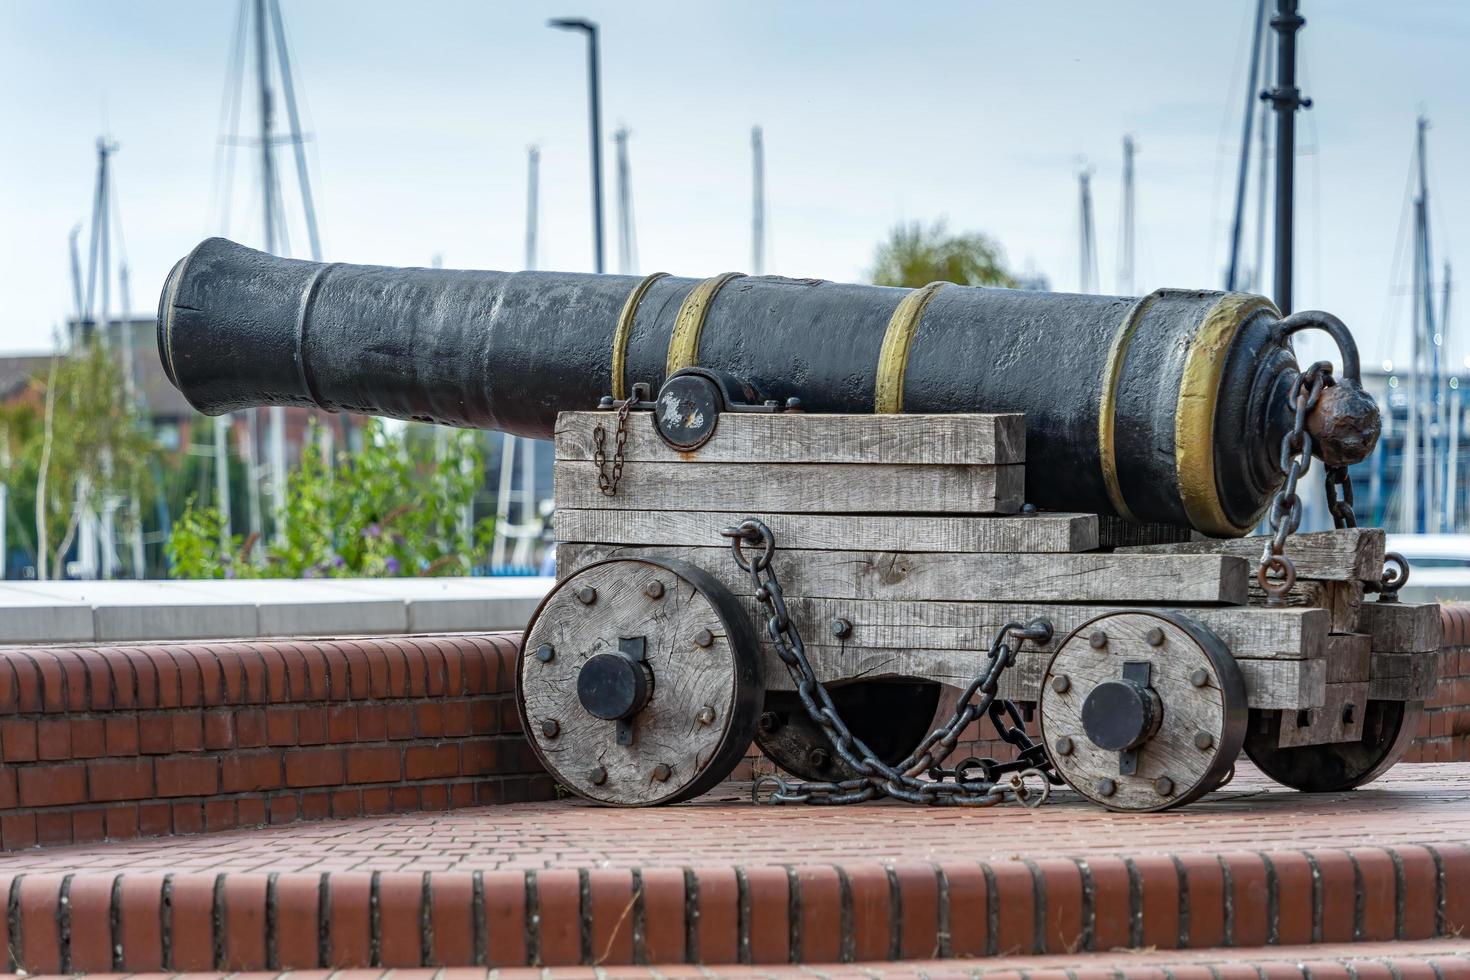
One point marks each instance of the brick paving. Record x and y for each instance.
(1443, 959)
(1424, 804)
(724, 882)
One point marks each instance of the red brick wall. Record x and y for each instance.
(1444, 730)
(111, 743)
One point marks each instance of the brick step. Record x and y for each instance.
(110, 743)
(1445, 959)
(81, 920)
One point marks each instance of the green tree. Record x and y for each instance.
(399, 506)
(88, 449)
(915, 255)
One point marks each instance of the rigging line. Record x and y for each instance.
(283, 55)
(1222, 143)
(1392, 309)
(224, 155)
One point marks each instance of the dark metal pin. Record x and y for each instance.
(703, 638)
(1154, 637)
(597, 776)
(1199, 677)
(654, 589)
(1106, 787)
(841, 628)
(1063, 745)
(551, 728)
(586, 595)
(546, 653)
(1204, 741)
(1061, 683)
(1164, 786)
(662, 772)
(1098, 639)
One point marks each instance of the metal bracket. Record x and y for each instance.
(1138, 672)
(635, 648)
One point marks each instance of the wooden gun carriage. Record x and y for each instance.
(904, 546)
(888, 549)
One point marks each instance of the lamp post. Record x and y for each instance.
(594, 99)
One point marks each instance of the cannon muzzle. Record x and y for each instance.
(1168, 408)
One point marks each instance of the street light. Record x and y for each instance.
(594, 99)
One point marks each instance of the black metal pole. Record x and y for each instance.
(1257, 42)
(1286, 98)
(594, 117)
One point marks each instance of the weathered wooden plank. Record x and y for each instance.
(1081, 578)
(1287, 634)
(1349, 554)
(1401, 627)
(1403, 676)
(802, 438)
(1342, 600)
(1027, 533)
(1340, 719)
(823, 488)
(1348, 657)
(1269, 684)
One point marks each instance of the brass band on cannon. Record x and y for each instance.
(791, 512)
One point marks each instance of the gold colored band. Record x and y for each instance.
(624, 329)
(689, 324)
(893, 356)
(1194, 416)
(1107, 449)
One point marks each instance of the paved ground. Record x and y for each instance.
(1420, 804)
(1441, 959)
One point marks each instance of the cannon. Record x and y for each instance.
(792, 513)
(1168, 408)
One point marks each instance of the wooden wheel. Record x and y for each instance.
(1143, 711)
(1388, 729)
(639, 682)
(890, 717)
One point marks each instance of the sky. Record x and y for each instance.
(419, 116)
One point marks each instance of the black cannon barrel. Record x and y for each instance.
(1167, 408)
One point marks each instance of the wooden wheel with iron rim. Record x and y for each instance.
(1143, 711)
(639, 682)
(891, 717)
(1389, 727)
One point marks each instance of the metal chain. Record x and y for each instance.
(902, 781)
(608, 483)
(1284, 515)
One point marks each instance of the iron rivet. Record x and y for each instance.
(597, 776)
(1154, 637)
(1063, 745)
(841, 628)
(1106, 787)
(706, 715)
(1203, 740)
(662, 772)
(654, 589)
(819, 758)
(586, 595)
(703, 638)
(551, 728)
(1199, 678)
(762, 593)
(1028, 509)
(768, 722)
(546, 653)
(1098, 639)
(1061, 683)
(1164, 786)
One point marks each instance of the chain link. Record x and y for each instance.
(955, 787)
(608, 482)
(1276, 573)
